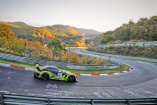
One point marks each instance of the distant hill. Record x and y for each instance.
(98, 39)
(89, 33)
(42, 34)
(22, 24)
(16, 25)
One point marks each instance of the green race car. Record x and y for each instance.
(52, 72)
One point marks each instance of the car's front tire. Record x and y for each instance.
(45, 76)
(71, 78)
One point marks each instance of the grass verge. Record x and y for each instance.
(17, 63)
(122, 67)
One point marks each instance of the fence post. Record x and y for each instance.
(48, 101)
(128, 102)
(92, 102)
(2, 103)
(51, 54)
(69, 52)
(100, 60)
(109, 59)
(25, 50)
(87, 59)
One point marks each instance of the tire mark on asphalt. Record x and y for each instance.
(106, 93)
(52, 90)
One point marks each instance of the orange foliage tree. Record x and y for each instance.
(65, 57)
(75, 58)
(38, 50)
(5, 32)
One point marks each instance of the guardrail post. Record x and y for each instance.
(48, 101)
(92, 102)
(128, 102)
(1, 99)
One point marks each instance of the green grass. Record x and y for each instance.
(122, 67)
(17, 63)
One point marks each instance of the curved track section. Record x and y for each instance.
(140, 83)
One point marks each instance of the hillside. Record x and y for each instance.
(144, 30)
(42, 34)
(16, 25)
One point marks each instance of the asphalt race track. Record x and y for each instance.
(139, 83)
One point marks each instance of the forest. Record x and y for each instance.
(145, 29)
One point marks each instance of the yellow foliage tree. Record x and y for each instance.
(75, 58)
(65, 57)
(83, 60)
(78, 44)
(100, 61)
(5, 32)
(83, 42)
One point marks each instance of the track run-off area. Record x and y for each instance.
(139, 83)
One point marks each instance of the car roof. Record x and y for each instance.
(50, 66)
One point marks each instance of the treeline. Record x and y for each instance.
(144, 29)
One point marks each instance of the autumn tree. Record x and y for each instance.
(16, 45)
(75, 58)
(83, 42)
(63, 45)
(83, 60)
(78, 44)
(65, 57)
(5, 32)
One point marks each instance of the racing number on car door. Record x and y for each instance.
(59, 75)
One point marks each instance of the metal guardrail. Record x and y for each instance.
(8, 99)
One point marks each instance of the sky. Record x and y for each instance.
(100, 15)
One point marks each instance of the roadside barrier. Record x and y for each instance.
(59, 64)
(8, 99)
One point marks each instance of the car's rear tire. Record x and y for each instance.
(45, 76)
(71, 78)
(36, 75)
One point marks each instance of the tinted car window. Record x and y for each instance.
(44, 69)
(54, 70)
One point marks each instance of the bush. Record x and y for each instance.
(91, 60)
(57, 59)
(83, 60)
